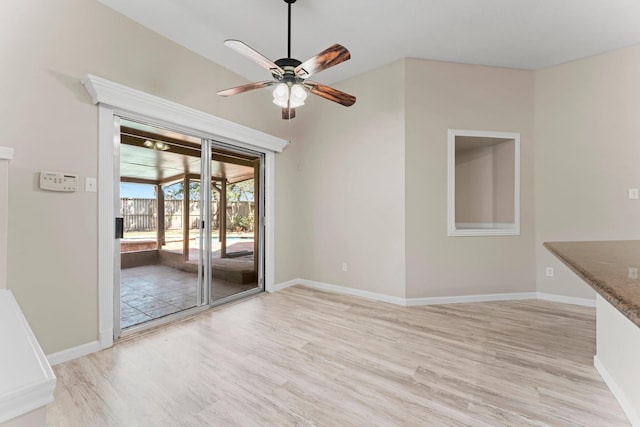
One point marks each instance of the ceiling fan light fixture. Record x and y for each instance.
(297, 96)
(289, 97)
(281, 95)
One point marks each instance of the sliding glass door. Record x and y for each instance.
(190, 210)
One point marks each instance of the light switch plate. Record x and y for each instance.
(90, 185)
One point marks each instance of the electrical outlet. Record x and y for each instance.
(633, 272)
(634, 193)
(344, 266)
(549, 272)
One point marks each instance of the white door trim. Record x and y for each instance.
(115, 100)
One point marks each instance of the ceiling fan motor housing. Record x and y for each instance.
(288, 65)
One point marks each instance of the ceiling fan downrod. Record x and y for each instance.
(289, 3)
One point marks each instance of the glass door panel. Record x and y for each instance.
(236, 197)
(160, 270)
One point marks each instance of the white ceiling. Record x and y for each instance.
(525, 34)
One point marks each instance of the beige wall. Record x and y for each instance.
(503, 181)
(352, 185)
(587, 156)
(440, 96)
(49, 119)
(474, 185)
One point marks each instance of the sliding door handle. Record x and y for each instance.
(119, 227)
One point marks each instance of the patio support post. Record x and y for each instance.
(223, 219)
(161, 218)
(185, 218)
(257, 213)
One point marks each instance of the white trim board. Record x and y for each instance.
(462, 299)
(414, 302)
(351, 291)
(284, 285)
(585, 302)
(73, 353)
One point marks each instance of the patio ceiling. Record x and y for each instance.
(141, 164)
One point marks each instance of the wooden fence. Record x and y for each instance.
(142, 214)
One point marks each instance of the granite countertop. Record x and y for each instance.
(610, 267)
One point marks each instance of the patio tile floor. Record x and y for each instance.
(154, 291)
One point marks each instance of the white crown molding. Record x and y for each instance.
(113, 94)
(6, 153)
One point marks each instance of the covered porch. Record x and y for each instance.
(166, 232)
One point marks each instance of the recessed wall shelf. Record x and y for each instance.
(483, 183)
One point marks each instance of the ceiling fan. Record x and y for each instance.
(290, 75)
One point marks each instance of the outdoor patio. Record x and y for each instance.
(166, 283)
(153, 291)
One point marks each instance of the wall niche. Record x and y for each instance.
(483, 183)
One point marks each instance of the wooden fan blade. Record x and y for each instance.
(330, 93)
(246, 88)
(255, 56)
(288, 113)
(325, 59)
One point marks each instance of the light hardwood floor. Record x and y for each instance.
(307, 358)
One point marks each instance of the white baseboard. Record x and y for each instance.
(586, 302)
(411, 302)
(73, 353)
(280, 286)
(351, 291)
(631, 413)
